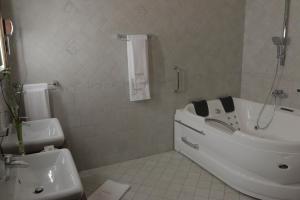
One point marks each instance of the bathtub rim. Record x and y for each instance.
(268, 144)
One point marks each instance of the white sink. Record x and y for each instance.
(36, 135)
(53, 171)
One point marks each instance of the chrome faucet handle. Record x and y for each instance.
(19, 163)
(7, 158)
(280, 93)
(11, 160)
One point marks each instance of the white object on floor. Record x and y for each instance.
(138, 64)
(36, 100)
(110, 190)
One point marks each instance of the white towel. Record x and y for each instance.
(138, 64)
(110, 190)
(36, 101)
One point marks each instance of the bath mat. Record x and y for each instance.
(110, 190)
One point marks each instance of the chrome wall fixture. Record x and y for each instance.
(177, 69)
(122, 37)
(286, 19)
(54, 85)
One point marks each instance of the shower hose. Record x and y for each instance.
(275, 84)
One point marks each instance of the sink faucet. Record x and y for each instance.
(9, 161)
(26, 124)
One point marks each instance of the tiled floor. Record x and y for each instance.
(166, 176)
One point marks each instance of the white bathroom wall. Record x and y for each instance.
(263, 20)
(74, 42)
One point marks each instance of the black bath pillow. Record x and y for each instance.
(201, 108)
(228, 104)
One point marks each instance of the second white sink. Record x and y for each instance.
(50, 176)
(36, 135)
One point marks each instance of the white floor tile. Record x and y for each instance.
(167, 176)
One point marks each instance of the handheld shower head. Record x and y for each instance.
(280, 43)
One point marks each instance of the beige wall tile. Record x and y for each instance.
(73, 41)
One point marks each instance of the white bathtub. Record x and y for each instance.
(261, 163)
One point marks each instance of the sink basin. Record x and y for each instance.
(36, 135)
(51, 175)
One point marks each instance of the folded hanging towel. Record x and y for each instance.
(138, 64)
(110, 190)
(201, 108)
(36, 101)
(228, 104)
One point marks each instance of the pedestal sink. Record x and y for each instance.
(36, 134)
(51, 175)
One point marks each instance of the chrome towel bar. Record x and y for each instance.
(123, 36)
(53, 85)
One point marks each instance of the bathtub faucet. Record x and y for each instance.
(280, 93)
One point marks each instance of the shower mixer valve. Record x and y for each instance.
(280, 93)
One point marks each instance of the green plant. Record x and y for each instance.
(12, 95)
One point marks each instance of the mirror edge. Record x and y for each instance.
(3, 65)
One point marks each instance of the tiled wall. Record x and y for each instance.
(73, 41)
(264, 19)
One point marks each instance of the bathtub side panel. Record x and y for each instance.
(224, 165)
